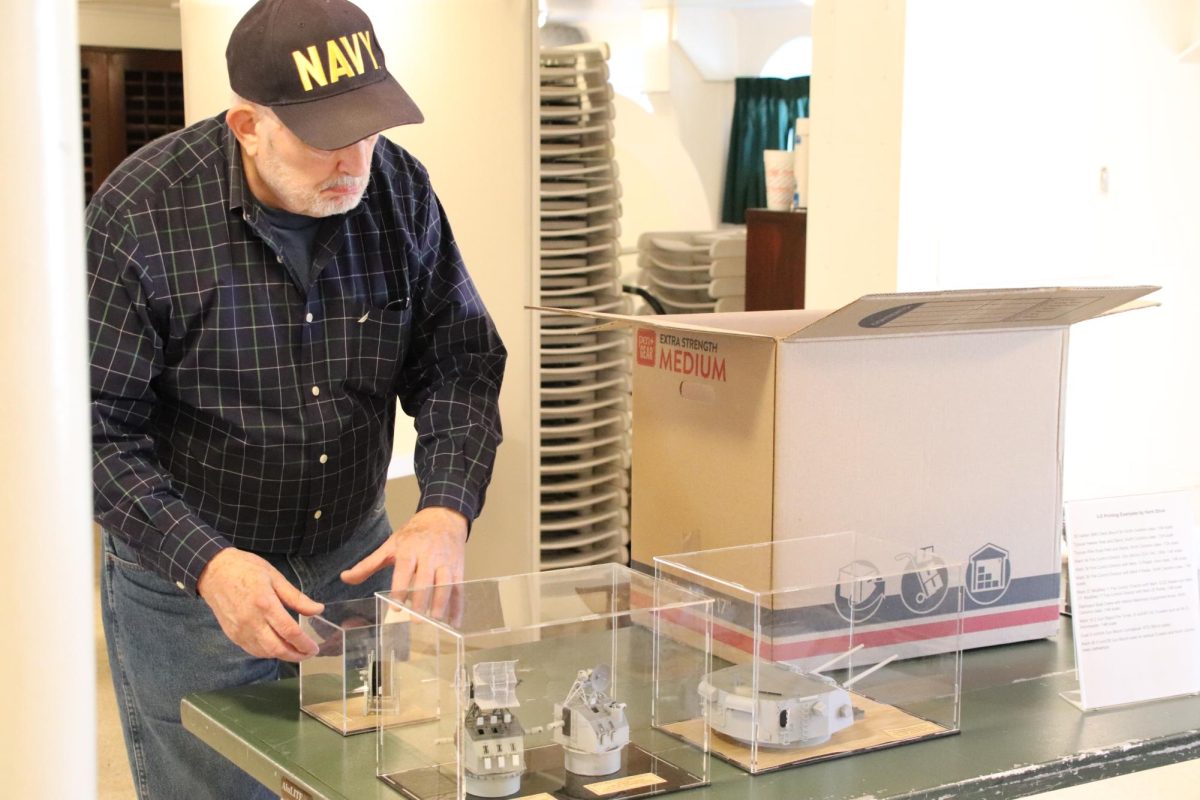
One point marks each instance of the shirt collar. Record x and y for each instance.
(239, 194)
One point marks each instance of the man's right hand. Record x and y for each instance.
(247, 595)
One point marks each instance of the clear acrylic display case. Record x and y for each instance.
(554, 684)
(823, 647)
(348, 684)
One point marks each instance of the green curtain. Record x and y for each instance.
(764, 116)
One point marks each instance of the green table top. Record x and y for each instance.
(1018, 737)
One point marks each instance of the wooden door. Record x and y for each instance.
(130, 97)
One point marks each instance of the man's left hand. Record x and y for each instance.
(428, 551)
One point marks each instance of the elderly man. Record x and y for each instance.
(263, 286)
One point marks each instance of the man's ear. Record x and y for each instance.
(243, 119)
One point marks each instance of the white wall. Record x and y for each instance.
(662, 187)
(714, 46)
(673, 141)
(206, 26)
(762, 31)
(118, 25)
(702, 111)
(1011, 112)
(47, 740)
(854, 150)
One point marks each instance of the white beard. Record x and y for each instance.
(301, 199)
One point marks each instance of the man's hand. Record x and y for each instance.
(428, 551)
(248, 597)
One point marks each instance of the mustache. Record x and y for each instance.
(346, 182)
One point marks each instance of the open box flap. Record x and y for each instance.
(969, 310)
(1131, 306)
(773, 325)
(896, 314)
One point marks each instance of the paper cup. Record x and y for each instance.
(781, 183)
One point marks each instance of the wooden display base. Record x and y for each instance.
(330, 713)
(881, 726)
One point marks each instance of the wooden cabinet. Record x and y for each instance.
(130, 97)
(775, 245)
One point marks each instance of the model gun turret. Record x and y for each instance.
(591, 726)
(787, 708)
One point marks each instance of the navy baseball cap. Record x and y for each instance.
(319, 67)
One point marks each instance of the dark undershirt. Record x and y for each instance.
(296, 235)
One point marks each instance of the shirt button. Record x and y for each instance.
(181, 586)
(279, 259)
(324, 458)
(308, 317)
(317, 514)
(316, 390)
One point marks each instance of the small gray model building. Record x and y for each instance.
(590, 725)
(494, 741)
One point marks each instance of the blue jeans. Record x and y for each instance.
(164, 644)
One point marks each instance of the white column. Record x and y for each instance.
(205, 26)
(48, 735)
(469, 66)
(854, 155)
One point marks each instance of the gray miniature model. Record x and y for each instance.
(377, 698)
(591, 726)
(494, 742)
(793, 708)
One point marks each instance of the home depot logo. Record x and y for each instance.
(685, 355)
(645, 347)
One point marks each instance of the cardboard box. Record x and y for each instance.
(932, 419)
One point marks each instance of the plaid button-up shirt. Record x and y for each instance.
(232, 407)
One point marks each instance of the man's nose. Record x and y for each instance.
(356, 158)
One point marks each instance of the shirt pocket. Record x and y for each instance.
(377, 344)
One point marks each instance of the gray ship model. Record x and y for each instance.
(792, 707)
(494, 741)
(591, 726)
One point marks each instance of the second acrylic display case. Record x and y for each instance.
(554, 684)
(824, 647)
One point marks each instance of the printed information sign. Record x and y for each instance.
(1135, 598)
